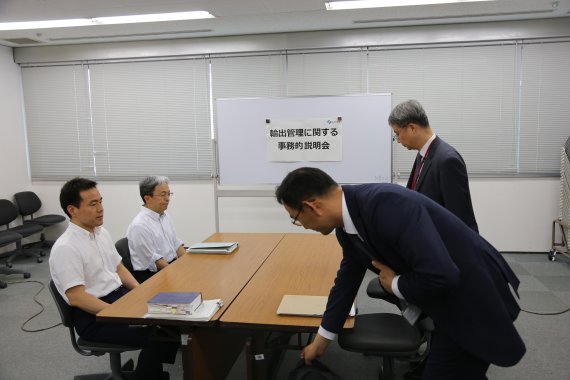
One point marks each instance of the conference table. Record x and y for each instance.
(251, 282)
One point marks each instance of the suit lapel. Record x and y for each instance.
(355, 215)
(427, 163)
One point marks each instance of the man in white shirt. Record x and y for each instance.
(152, 239)
(88, 273)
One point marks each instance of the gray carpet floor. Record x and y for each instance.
(48, 354)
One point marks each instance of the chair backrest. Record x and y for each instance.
(28, 202)
(8, 212)
(64, 309)
(66, 314)
(122, 246)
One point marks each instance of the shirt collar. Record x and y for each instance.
(153, 214)
(349, 226)
(84, 232)
(426, 145)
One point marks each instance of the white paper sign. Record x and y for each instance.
(304, 139)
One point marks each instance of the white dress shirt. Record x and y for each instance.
(151, 237)
(79, 257)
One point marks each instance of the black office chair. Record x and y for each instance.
(7, 238)
(387, 335)
(28, 204)
(122, 246)
(89, 348)
(9, 213)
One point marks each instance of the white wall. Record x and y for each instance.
(13, 161)
(513, 214)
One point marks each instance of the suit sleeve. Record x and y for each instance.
(432, 271)
(344, 291)
(454, 187)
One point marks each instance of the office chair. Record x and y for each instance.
(29, 203)
(7, 238)
(89, 348)
(387, 335)
(9, 213)
(122, 246)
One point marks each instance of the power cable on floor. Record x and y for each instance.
(23, 328)
(553, 313)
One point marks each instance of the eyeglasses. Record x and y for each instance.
(295, 221)
(164, 194)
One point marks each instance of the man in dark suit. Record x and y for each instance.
(439, 171)
(423, 255)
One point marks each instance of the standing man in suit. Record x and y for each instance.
(424, 256)
(88, 273)
(152, 239)
(439, 171)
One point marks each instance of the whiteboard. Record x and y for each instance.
(366, 137)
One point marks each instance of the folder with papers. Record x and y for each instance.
(214, 247)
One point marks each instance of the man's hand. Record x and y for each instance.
(386, 275)
(315, 350)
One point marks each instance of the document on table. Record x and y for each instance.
(214, 247)
(311, 306)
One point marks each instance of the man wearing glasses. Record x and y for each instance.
(152, 239)
(439, 171)
(422, 254)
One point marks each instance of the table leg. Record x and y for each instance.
(210, 353)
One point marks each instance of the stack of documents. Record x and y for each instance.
(175, 303)
(187, 306)
(215, 247)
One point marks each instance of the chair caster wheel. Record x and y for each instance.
(27, 275)
(9, 265)
(552, 255)
(39, 260)
(3, 285)
(42, 253)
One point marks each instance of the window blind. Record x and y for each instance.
(502, 105)
(131, 119)
(544, 106)
(469, 94)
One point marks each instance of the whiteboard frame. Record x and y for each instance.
(359, 112)
(367, 145)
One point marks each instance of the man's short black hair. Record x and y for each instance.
(302, 184)
(70, 192)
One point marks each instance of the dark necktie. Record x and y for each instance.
(417, 169)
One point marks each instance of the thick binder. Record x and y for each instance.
(203, 313)
(175, 302)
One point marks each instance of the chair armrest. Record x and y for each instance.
(375, 290)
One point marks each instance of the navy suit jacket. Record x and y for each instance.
(444, 179)
(454, 275)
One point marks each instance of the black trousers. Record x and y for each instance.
(448, 361)
(143, 275)
(153, 353)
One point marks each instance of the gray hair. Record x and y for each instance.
(148, 184)
(410, 111)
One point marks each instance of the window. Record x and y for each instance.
(119, 120)
(503, 106)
